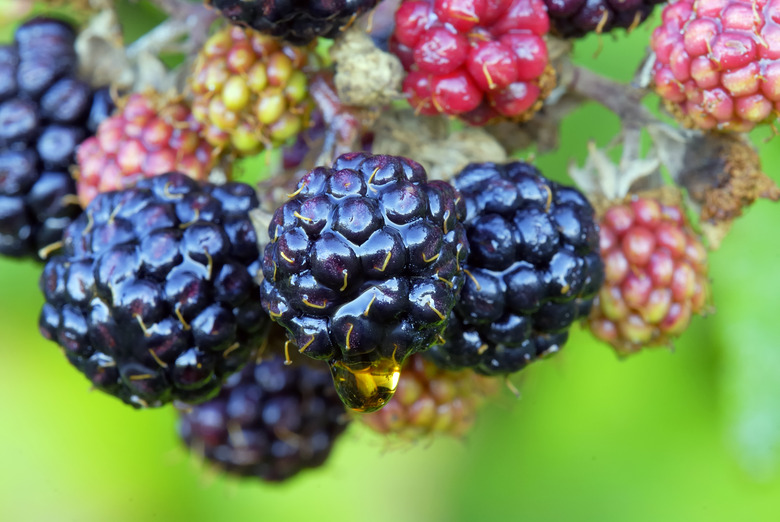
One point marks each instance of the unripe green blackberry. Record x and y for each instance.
(250, 90)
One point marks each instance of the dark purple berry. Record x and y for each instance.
(364, 261)
(364, 267)
(148, 299)
(297, 21)
(45, 113)
(578, 18)
(533, 269)
(270, 421)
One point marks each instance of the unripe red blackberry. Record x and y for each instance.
(718, 62)
(270, 421)
(655, 276)
(149, 134)
(153, 296)
(364, 267)
(250, 90)
(431, 401)
(297, 21)
(532, 271)
(578, 18)
(45, 112)
(479, 60)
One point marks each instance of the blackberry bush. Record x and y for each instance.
(153, 297)
(162, 292)
(364, 267)
(534, 269)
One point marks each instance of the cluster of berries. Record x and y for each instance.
(164, 286)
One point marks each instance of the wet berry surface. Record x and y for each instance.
(153, 296)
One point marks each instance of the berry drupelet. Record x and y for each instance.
(534, 268)
(153, 297)
(717, 62)
(270, 421)
(480, 60)
(364, 267)
(45, 112)
(656, 276)
(297, 21)
(578, 18)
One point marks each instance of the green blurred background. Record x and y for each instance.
(687, 435)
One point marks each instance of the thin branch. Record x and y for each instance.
(623, 100)
(186, 20)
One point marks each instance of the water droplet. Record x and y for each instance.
(366, 387)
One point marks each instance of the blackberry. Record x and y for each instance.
(297, 21)
(153, 296)
(45, 112)
(578, 18)
(534, 268)
(270, 421)
(364, 267)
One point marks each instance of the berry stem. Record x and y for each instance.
(625, 100)
(186, 19)
(343, 124)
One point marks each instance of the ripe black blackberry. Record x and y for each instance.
(578, 18)
(534, 268)
(45, 112)
(297, 21)
(270, 421)
(153, 296)
(364, 267)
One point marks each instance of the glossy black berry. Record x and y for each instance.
(578, 18)
(365, 260)
(270, 421)
(297, 21)
(45, 113)
(533, 269)
(151, 297)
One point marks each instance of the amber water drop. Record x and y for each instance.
(366, 387)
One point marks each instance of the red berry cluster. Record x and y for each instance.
(655, 275)
(482, 59)
(148, 136)
(717, 61)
